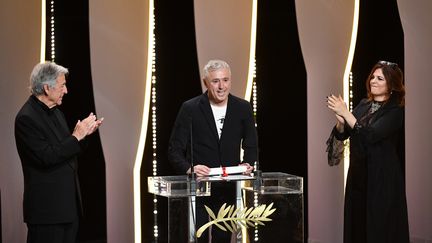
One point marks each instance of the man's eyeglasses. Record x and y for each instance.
(390, 64)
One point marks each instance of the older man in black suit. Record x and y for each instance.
(222, 124)
(48, 153)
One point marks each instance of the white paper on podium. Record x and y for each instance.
(227, 170)
(229, 178)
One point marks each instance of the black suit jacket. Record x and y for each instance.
(48, 154)
(238, 132)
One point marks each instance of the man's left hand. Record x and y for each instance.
(249, 168)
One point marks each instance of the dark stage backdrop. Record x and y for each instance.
(177, 75)
(72, 50)
(281, 84)
(380, 36)
(282, 94)
(281, 81)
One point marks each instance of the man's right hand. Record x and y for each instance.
(200, 170)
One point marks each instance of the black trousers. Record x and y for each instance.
(52, 233)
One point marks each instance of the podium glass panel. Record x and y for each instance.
(285, 191)
(180, 192)
(177, 186)
(277, 183)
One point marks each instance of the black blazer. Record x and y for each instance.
(48, 156)
(238, 132)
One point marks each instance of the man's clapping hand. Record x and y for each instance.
(87, 126)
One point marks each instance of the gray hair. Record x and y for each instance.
(214, 65)
(45, 73)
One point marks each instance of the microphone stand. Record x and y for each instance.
(257, 173)
(258, 180)
(192, 175)
(192, 180)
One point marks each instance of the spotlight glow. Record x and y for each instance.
(43, 31)
(347, 80)
(150, 79)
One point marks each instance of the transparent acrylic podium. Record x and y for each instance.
(285, 191)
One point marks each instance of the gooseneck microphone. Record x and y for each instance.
(257, 173)
(192, 172)
(192, 181)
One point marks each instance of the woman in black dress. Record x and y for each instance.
(375, 200)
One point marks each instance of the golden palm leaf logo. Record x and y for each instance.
(231, 218)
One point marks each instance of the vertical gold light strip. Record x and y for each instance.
(143, 134)
(252, 50)
(43, 31)
(347, 80)
(255, 110)
(52, 31)
(154, 122)
(251, 91)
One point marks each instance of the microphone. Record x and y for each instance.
(192, 174)
(192, 180)
(257, 173)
